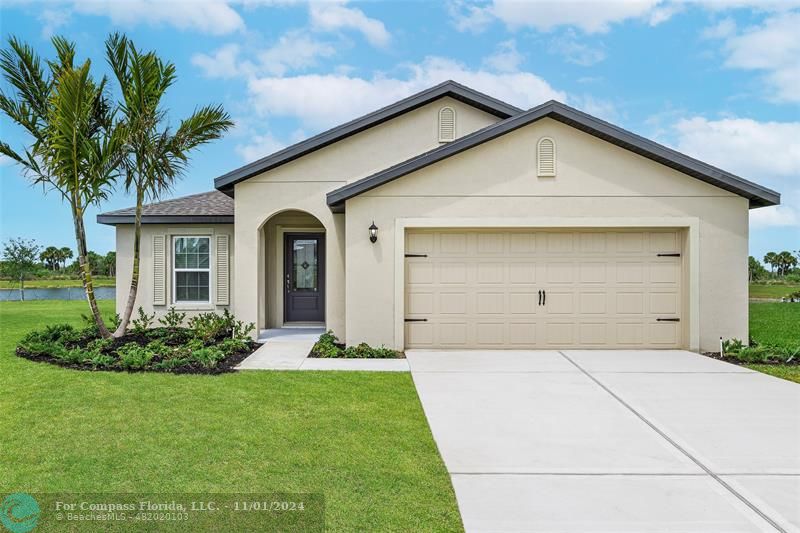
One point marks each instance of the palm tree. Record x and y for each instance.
(156, 156)
(786, 261)
(76, 148)
(772, 260)
(65, 253)
(49, 257)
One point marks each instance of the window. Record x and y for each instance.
(447, 124)
(546, 157)
(192, 269)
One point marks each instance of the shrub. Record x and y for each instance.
(159, 348)
(242, 331)
(365, 351)
(100, 360)
(232, 345)
(171, 363)
(760, 353)
(732, 346)
(74, 356)
(43, 347)
(208, 357)
(327, 346)
(172, 319)
(134, 357)
(143, 322)
(210, 326)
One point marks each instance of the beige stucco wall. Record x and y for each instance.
(302, 185)
(144, 296)
(594, 180)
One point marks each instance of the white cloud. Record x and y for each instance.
(295, 50)
(324, 100)
(332, 16)
(215, 17)
(52, 19)
(764, 152)
(574, 51)
(505, 58)
(772, 47)
(721, 30)
(259, 146)
(590, 16)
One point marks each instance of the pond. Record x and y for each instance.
(61, 293)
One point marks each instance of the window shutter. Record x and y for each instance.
(159, 270)
(447, 124)
(223, 273)
(546, 157)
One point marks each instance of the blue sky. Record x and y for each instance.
(718, 80)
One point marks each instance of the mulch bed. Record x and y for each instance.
(737, 361)
(223, 366)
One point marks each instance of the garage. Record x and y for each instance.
(524, 289)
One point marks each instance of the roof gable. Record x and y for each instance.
(452, 89)
(759, 196)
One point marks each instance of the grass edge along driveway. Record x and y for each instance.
(361, 439)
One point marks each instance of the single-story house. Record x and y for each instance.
(451, 219)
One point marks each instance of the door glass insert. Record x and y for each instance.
(304, 265)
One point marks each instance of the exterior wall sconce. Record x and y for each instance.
(373, 232)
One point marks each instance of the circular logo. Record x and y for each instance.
(19, 512)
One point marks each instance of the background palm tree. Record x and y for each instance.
(65, 254)
(75, 146)
(156, 156)
(772, 260)
(50, 257)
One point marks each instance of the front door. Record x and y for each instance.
(304, 277)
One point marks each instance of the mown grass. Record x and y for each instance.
(360, 439)
(775, 323)
(99, 281)
(774, 291)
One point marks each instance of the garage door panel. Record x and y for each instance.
(604, 289)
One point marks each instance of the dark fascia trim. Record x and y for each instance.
(759, 196)
(450, 88)
(113, 220)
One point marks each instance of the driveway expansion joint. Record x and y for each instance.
(666, 437)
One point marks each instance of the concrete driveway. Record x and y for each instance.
(613, 441)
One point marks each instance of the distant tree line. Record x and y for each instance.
(24, 259)
(782, 266)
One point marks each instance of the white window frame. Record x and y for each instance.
(175, 271)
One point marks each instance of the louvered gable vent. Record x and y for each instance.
(546, 157)
(447, 124)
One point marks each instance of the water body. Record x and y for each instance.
(62, 293)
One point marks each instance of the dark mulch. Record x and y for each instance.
(170, 337)
(736, 361)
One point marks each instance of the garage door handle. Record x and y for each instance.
(416, 319)
(668, 319)
(668, 255)
(540, 297)
(544, 297)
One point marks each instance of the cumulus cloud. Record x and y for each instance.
(258, 146)
(772, 47)
(574, 51)
(215, 17)
(324, 100)
(506, 57)
(590, 16)
(764, 152)
(333, 16)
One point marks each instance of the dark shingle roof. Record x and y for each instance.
(211, 207)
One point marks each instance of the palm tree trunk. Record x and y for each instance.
(86, 269)
(137, 238)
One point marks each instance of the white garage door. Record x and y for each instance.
(543, 289)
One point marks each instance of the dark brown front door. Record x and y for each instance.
(304, 277)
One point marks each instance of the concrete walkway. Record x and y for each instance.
(613, 441)
(288, 348)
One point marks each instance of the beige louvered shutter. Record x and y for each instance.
(159, 270)
(546, 157)
(447, 124)
(223, 271)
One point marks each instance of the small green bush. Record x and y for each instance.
(172, 319)
(233, 345)
(100, 360)
(760, 353)
(74, 356)
(159, 348)
(208, 357)
(210, 326)
(329, 346)
(143, 322)
(134, 357)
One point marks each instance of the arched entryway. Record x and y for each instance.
(294, 268)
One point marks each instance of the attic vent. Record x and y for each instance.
(546, 157)
(447, 124)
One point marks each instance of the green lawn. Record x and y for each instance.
(99, 281)
(772, 291)
(360, 439)
(776, 323)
